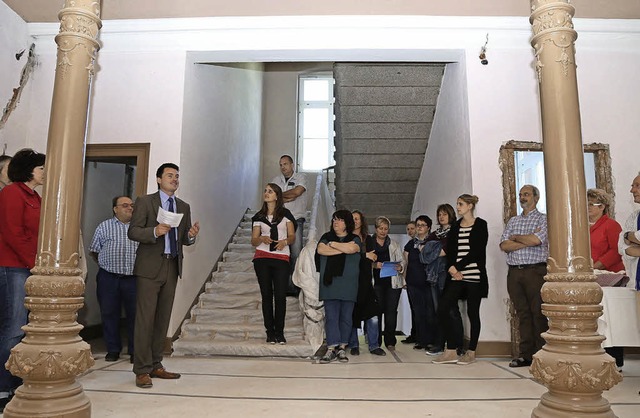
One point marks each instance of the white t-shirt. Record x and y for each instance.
(297, 207)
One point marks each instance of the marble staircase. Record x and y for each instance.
(227, 320)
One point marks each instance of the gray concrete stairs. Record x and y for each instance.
(227, 320)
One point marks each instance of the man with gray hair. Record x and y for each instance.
(629, 242)
(526, 244)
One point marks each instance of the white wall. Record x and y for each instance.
(502, 96)
(446, 172)
(14, 37)
(221, 155)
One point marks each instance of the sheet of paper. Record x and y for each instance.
(389, 269)
(169, 218)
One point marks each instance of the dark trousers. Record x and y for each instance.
(388, 299)
(273, 278)
(294, 250)
(154, 303)
(115, 291)
(426, 320)
(413, 317)
(524, 287)
(454, 291)
(454, 317)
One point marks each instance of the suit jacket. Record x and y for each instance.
(150, 250)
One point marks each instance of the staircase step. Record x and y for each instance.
(245, 278)
(234, 256)
(236, 332)
(247, 348)
(242, 248)
(239, 316)
(235, 267)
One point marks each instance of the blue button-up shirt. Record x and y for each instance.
(116, 252)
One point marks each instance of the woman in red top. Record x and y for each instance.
(19, 223)
(604, 233)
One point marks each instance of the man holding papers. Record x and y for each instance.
(161, 223)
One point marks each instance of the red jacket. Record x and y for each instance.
(19, 223)
(604, 243)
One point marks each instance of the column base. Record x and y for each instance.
(572, 405)
(52, 400)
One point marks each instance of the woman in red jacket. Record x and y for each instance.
(604, 233)
(19, 223)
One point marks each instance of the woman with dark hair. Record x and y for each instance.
(273, 231)
(466, 265)
(366, 308)
(19, 223)
(339, 257)
(434, 256)
(418, 289)
(388, 289)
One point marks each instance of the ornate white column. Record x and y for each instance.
(52, 354)
(572, 364)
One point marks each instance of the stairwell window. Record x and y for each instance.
(315, 121)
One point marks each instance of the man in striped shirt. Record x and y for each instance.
(526, 244)
(115, 254)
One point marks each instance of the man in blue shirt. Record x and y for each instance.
(115, 254)
(526, 244)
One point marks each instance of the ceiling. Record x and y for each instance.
(47, 10)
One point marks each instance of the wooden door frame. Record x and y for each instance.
(138, 150)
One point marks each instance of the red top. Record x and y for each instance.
(19, 222)
(604, 243)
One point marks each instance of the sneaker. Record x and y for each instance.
(355, 351)
(271, 339)
(467, 358)
(434, 351)
(418, 347)
(448, 357)
(342, 356)
(329, 356)
(280, 339)
(378, 352)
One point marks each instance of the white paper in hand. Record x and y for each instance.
(169, 218)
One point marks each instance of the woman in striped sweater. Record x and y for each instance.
(466, 263)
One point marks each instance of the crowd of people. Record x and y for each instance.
(361, 275)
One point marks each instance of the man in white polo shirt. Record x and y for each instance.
(294, 191)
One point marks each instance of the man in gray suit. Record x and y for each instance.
(157, 268)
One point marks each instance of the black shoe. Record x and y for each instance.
(418, 347)
(280, 339)
(378, 352)
(520, 362)
(271, 339)
(409, 340)
(112, 356)
(355, 351)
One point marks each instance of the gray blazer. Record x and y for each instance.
(150, 250)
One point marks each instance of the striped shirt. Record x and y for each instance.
(116, 252)
(471, 273)
(532, 223)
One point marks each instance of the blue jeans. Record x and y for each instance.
(113, 291)
(338, 321)
(13, 316)
(371, 331)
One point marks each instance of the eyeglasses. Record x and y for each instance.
(595, 204)
(422, 225)
(126, 205)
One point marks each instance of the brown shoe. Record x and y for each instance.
(162, 373)
(144, 381)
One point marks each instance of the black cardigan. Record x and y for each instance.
(477, 253)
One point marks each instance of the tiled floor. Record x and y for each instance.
(404, 383)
